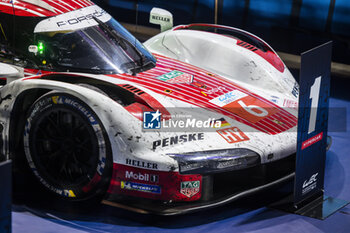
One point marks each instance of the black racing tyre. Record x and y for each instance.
(66, 147)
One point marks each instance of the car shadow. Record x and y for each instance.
(99, 215)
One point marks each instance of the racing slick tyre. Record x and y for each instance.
(66, 147)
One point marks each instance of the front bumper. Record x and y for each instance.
(216, 189)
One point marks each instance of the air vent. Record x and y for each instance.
(133, 89)
(247, 46)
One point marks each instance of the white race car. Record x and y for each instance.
(196, 117)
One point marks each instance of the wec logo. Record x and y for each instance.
(310, 181)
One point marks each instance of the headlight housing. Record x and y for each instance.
(215, 161)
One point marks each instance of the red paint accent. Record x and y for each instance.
(191, 94)
(137, 109)
(312, 141)
(236, 108)
(270, 56)
(169, 182)
(233, 135)
(22, 8)
(144, 103)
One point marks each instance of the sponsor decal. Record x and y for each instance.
(160, 18)
(275, 99)
(214, 90)
(80, 19)
(228, 163)
(190, 188)
(290, 103)
(228, 98)
(140, 187)
(178, 139)
(198, 84)
(295, 90)
(223, 123)
(176, 77)
(233, 135)
(310, 184)
(73, 20)
(137, 163)
(33, 49)
(278, 122)
(251, 108)
(211, 74)
(312, 140)
(141, 176)
(151, 120)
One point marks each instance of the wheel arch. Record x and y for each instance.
(32, 90)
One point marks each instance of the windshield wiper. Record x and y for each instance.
(120, 40)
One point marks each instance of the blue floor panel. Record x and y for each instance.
(235, 217)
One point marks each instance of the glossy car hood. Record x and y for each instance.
(186, 83)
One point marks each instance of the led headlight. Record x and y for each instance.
(215, 161)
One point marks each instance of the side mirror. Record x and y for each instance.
(161, 17)
(8, 74)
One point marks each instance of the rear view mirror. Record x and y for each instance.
(161, 17)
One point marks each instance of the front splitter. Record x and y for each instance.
(168, 209)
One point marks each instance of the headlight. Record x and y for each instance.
(216, 160)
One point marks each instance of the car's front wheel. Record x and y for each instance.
(66, 146)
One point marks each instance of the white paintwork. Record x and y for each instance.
(221, 55)
(6, 70)
(10, 72)
(73, 20)
(125, 133)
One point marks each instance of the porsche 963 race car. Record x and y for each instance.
(197, 116)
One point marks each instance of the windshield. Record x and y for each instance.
(103, 48)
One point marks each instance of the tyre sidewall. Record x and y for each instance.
(100, 179)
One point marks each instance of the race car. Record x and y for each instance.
(196, 117)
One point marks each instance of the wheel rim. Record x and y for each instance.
(64, 145)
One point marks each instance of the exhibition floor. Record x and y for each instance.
(249, 216)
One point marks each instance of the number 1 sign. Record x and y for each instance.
(308, 198)
(312, 122)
